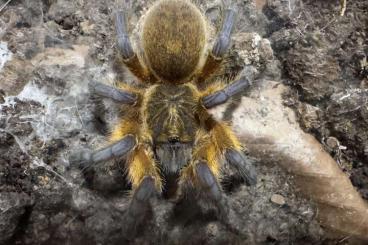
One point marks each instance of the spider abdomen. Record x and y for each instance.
(174, 37)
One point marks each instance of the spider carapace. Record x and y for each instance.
(167, 135)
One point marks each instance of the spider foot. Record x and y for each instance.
(87, 158)
(223, 40)
(213, 191)
(243, 165)
(81, 158)
(227, 216)
(139, 207)
(124, 44)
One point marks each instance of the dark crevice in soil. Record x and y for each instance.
(22, 226)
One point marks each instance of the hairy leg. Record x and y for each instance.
(231, 149)
(222, 143)
(129, 57)
(199, 178)
(146, 182)
(208, 182)
(220, 47)
(223, 95)
(139, 207)
(142, 171)
(140, 162)
(87, 158)
(121, 95)
(123, 139)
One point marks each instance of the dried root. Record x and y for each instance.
(342, 7)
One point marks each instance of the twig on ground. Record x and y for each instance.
(342, 7)
(2, 7)
(329, 23)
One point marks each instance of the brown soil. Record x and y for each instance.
(59, 45)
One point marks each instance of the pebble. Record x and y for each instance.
(278, 199)
(332, 142)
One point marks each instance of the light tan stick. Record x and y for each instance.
(342, 7)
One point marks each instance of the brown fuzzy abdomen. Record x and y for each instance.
(174, 37)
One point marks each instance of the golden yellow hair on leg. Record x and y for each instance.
(213, 87)
(141, 164)
(224, 137)
(138, 69)
(124, 128)
(221, 133)
(131, 88)
(211, 146)
(206, 149)
(210, 67)
(130, 124)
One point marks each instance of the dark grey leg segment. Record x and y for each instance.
(212, 188)
(139, 206)
(243, 165)
(223, 40)
(86, 158)
(124, 45)
(113, 93)
(208, 181)
(223, 95)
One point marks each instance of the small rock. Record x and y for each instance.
(309, 116)
(278, 199)
(87, 27)
(332, 142)
(212, 229)
(260, 4)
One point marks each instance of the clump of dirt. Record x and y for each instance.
(324, 56)
(15, 186)
(14, 166)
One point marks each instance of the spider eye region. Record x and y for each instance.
(170, 114)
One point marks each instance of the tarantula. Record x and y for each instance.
(167, 133)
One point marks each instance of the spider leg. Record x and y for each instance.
(129, 57)
(87, 158)
(220, 47)
(222, 143)
(119, 95)
(211, 186)
(223, 95)
(242, 164)
(209, 183)
(200, 173)
(124, 45)
(146, 182)
(139, 206)
(202, 176)
(222, 42)
(140, 162)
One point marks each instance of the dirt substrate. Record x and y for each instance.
(324, 56)
(46, 112)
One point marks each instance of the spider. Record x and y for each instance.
(167, 135)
